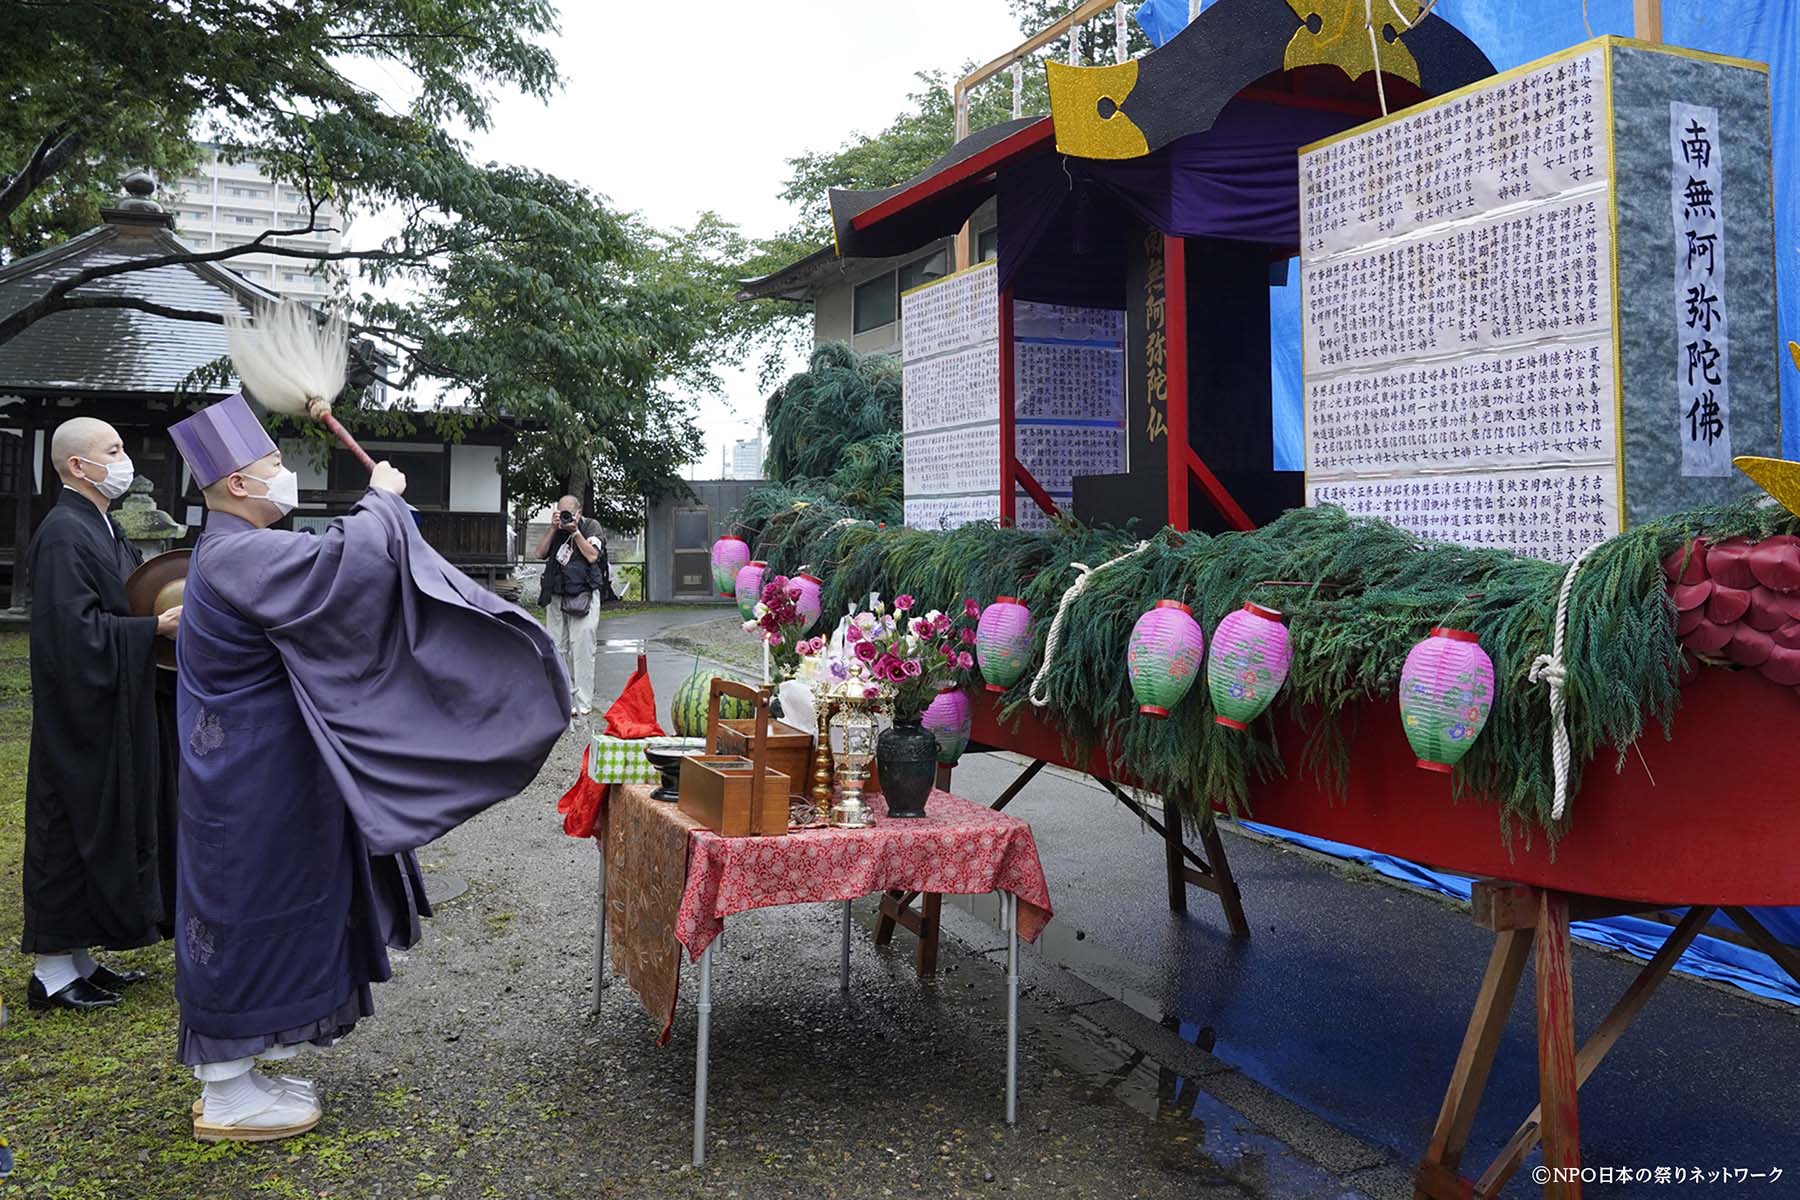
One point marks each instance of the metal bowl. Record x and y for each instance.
(667, 759)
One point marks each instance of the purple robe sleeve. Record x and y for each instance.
(429, 697)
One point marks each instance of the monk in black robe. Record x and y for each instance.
(99, 788)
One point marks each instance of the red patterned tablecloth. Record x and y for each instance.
(958, 848)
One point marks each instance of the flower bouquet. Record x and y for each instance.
(778, 621)
(908, 659)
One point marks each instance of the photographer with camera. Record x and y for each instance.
(574, 576)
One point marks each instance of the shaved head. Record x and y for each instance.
(570, 503)
(84, 437)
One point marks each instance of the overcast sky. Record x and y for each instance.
(675, 108)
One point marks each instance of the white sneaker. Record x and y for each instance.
(274, 1116)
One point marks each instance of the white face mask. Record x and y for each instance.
(118, 477)
(283, 489)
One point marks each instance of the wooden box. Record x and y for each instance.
(715, 791)
(790, 750)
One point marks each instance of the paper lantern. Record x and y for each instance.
(950, 718)
(808, 606)
(1249, 663)
(1446, 693)
(1003, 642)
(1164, 656)
(729, 555)
(748, 586)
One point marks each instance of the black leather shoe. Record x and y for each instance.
(82, 996)
(109, 980)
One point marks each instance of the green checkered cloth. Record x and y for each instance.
(618, 760)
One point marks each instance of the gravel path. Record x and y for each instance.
(481, 1075)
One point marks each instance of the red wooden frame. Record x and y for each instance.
(970, 168)
(1183, 462)
(1711, 828)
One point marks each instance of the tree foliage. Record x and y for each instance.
(510, 291)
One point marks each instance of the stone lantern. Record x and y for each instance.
(146, 526)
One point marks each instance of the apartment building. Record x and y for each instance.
(228, 204)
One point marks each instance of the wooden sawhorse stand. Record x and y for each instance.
(1524, 918)
(1183, 865)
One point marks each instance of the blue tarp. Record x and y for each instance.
(1511, 35)
(1708, 957)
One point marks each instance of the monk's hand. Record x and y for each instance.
(388, 479)
(168, 622)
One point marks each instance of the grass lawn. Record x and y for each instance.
(96, 1106)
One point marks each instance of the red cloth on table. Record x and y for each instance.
(581, 805)
(633, 714)
(959, 848)
(667, 876)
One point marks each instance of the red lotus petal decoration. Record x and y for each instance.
(1729, 564)
(1776, 562)
(1749, 647)
(1727, 605)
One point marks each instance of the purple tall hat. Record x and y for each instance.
(218, 440)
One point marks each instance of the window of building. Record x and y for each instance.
(874, 304)
(987, 245)
(427, 481)
(247, 220)
(924, 270)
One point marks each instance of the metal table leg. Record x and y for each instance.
(1010, 903)
(599, 942)
(700, 1056)
(844, 960)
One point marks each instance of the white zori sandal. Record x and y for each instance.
(279, 1114)
(303, 1088)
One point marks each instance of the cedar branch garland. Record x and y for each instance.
(1367, 592)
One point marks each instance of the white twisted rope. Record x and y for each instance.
(1549, 669)
(1083, 574)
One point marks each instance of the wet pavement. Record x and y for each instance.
(1351, 997)
(1315, 1054)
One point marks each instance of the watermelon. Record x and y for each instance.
(687, 708)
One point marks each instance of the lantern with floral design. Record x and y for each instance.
(729, 555)
(1249, 663)
(950, 718)
(1446, 694)
(809, 602)
(748, 587)
(1164, 656)
(1003, 642)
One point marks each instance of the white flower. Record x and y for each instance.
(761, 610)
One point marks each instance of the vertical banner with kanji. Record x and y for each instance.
(1703, 354)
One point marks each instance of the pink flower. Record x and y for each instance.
(971, 609)
(870, 692)
(852, 634)
(902, 603)
(866, 651)
(888, 662)
(965, 660)
(794, 595)
(912, 668)
(968, 637)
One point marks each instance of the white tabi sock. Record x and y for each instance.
(56, 972)
(84, 962)
(232, 1098)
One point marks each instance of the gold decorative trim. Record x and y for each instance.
(1343, 40)
(1076, 94)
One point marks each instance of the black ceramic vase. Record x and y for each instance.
(906, 757)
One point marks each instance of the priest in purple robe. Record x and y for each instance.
(343, 699)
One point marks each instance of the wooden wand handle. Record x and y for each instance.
(343, 435)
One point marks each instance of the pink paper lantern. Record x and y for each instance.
(1003, 642)
(950, 718)
(1446, 694)
(1164, 656)
(1249, 663)
(808, 606)
(748, 586)
(729, 555)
